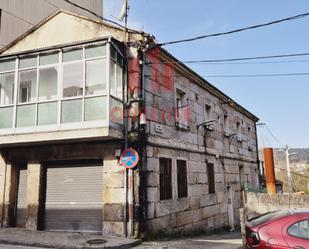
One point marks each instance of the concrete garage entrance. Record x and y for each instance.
(73, 196)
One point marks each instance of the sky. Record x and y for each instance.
(280, 102)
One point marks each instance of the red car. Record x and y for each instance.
(279, 230)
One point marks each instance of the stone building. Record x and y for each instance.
(18, 16)
(63, 126)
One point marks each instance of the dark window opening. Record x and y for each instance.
(165, 179)
(207, 113)
(211, 178)
(182, 178)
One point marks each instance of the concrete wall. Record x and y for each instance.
(19, 16)
(260, 203)
(198, 147)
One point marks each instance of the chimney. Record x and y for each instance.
(270, 170)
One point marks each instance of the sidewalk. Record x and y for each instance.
(223, 240)
(17, 236)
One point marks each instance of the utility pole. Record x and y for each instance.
(287, 155)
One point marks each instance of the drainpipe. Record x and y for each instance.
(143, 151)
(257, 159)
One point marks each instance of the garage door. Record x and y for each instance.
(74, 197)
(21, 198)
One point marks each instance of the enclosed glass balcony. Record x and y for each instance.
(62, 89)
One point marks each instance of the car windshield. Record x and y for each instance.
(268, 216)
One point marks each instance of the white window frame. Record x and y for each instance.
(59, 99)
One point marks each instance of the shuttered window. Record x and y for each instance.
(211, 179)
(165, 179)
(182, 178)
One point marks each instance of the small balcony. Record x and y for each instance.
(62, 94)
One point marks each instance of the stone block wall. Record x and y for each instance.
(200, 210)
(230, 145)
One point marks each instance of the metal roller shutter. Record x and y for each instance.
(21, 198)
(74, 198)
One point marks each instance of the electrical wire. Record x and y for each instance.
(244, 75)
(248, 63)
(255, 75)
(263, 125)
(234, 59)
(294, 173)
(236, 30)
(102, 18)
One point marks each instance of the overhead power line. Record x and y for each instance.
(291, 18)
(294, 173)
(247, 63)
(238, 59)
(101, 17)
(247, 58)
(264, 125)
(257, 75)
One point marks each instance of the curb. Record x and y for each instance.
(106, 246)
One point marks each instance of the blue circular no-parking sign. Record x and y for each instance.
(129, 158)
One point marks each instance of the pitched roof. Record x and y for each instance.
(65, 27)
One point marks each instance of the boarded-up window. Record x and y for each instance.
(211, 178)
(182, 178)
(165, 178)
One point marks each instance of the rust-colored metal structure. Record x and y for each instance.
(270, 170)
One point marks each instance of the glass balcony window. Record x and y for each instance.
(71, 111)
(95, 51)
(57, 90)
(49, 59)
(48, 78)
(73, 54)
(28, 62)
(7, 65)
(7, 89)
(25, 115)
(27, 86)
(6, 117)
(96, 79)
(73, 79)
(47, 113)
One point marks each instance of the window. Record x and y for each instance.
(225, 121)
(241, 176)
(182, 178)
(165, 178)
(207, 113)
(300, 229)
(7, 89)
(182, 110)
(27, 86)
(73, 79)
(48, 83)
(7, 79)
(211, 178)
(95, 79)
(59, 87)
(116, 73)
